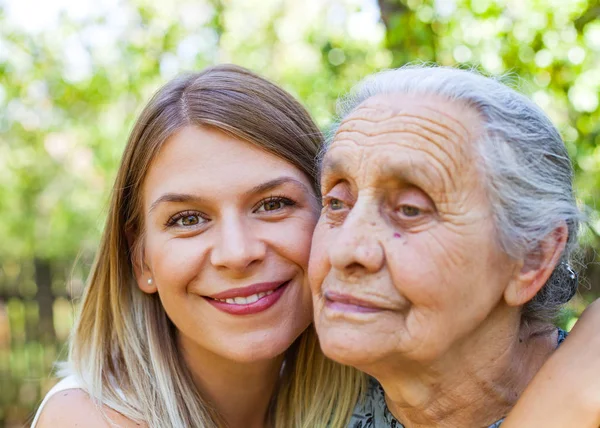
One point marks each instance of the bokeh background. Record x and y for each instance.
(74, 74)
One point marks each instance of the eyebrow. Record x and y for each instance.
(272, 184)
(333, 166)
(261, 188)
(173, 197)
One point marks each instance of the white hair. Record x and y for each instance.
(529, 176)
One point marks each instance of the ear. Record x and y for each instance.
(537, 267)
(141, 270)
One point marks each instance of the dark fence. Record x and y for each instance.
(36, 315)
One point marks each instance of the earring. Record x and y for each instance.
(149, 281)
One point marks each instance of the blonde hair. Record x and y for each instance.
(123, 346)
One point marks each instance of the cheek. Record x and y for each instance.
(290, 240)
(299, 241)
(318, 266)
(295, 240)
(176, 262)
(430, 269)
(449, 277)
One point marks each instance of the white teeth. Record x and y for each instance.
(245, 300)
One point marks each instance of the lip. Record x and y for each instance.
(260, 305)
(348, 303)
(260, 287)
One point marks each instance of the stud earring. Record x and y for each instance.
(149, 281)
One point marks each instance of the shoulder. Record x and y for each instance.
(75, 408)
(371, 410)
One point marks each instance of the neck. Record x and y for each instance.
(476, 382)
(240, 392)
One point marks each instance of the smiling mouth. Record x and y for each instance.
(249, 300)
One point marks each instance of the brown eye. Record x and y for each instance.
(186, 219)
(336, 204)
(273, 205)
(189, 220)
(410, 211)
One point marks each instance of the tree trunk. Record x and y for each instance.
(45, 300)
(407, 37)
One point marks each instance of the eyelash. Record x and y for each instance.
(402, 210)
(175, 218)
(328, 201)
(172, 221)
(275, 198)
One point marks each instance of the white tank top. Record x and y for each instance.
(69, 382)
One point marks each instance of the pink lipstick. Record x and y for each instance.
(248, 300)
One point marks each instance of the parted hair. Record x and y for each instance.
(123, 346)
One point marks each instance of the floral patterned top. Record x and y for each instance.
(372, 411)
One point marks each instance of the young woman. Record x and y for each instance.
(197, 312)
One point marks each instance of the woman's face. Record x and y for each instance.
(404, 260)
(228, 230)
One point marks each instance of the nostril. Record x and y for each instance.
(355, 269)
(354, 266)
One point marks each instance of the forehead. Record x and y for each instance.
(207, 162)
(405, 135)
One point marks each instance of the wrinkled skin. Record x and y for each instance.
(407, 228)
(409, 281)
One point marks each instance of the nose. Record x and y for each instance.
(237, 248)
(356, 246)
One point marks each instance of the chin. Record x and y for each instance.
(254, 356)
(348, 349)
(266, 347)
(253, 353)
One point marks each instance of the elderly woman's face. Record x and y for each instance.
(404, 259)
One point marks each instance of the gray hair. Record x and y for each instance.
(529, 176)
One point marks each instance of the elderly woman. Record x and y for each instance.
(442, 253)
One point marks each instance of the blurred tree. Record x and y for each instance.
(73, 78)
(410, 35)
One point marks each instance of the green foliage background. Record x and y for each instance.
(71, 86)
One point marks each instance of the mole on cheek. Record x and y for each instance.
(396, 235)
